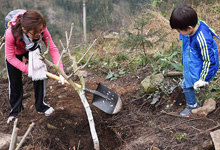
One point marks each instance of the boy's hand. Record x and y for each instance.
(200, 83)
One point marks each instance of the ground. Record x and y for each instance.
(138, 126)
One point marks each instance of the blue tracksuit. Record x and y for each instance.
(200, 57)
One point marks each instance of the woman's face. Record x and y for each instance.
(35, 33)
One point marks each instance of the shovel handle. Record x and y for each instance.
(53, 76)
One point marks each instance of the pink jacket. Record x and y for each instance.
(13, 48)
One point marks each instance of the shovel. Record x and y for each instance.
(104, 98)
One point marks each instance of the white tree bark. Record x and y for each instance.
(90, 119)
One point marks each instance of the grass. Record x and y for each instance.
(113, 60)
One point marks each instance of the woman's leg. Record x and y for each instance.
(15, 89)
(40, 93)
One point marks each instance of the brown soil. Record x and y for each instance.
(138, 126)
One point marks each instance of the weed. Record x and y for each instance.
(121, 57)
(138, 39)
(155, 3)
(112, 76)
(169, 60)
(180, 137)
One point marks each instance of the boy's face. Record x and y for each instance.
(188, 31)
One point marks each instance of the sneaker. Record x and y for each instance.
(10, 118)
(48, 112)
(188, 111)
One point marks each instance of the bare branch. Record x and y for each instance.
(86, 52)
(48, 45)
(2, 45)
(67, 40)
(61, 43)
(63, 51)
(81, 67)
(71, 31)
(13, 136)
(69, 76)
(25, 135)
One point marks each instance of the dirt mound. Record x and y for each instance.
(140, 125)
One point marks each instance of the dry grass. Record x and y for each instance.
(210, 13)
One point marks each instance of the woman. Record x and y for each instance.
(22, 39)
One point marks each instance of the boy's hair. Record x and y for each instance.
(182, 17)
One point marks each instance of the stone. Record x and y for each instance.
(207, 145)
(208, 106)
(4, 140)
(150, 83)
(155, 148)
(215, 135)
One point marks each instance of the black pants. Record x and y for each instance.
(16, 90)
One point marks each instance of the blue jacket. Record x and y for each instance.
(200, 56)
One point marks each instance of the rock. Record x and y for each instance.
(207, 145)
(49, 126)
(155, 148)
(215, 135)
(208, 106)
(150, 83)
(195, 148)
(4, 140)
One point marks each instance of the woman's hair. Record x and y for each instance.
(30, 20)
(182, 17)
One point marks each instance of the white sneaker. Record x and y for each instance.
(10, 118)
(49, 111)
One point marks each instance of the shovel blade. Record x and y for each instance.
(110, 105)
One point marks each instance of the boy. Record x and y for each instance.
(200, 57)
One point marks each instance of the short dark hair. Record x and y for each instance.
(182, 17)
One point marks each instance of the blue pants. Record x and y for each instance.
(189, 93)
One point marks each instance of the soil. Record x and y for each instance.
(140, 125)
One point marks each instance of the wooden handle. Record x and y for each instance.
(53, 76)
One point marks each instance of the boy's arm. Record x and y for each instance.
(205, 41)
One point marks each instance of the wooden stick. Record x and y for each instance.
(13, 138)
(78, 145)
(176, 73)
(172, 74)
(25, 135)
(210, 129)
